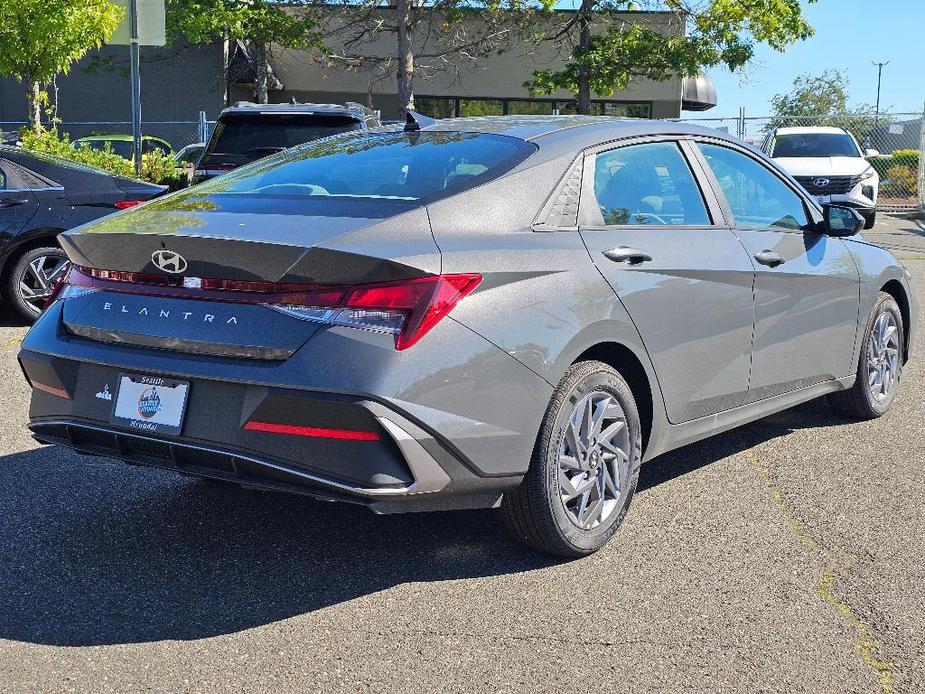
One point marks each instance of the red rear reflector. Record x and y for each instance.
(312, 432)
(125, 204)
(60, 392)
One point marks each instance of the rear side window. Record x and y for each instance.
(647, 184)
(257, 135)
(383, 166)
(757, 197)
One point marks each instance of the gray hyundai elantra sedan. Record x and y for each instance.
(466, 313)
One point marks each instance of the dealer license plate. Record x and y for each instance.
(150, 403)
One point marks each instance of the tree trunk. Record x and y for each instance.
(405, 57)
(34, 97)
(584, 47)
(260, 67)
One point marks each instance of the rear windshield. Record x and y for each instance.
(398, 166)
(815, 145)
(253, 135)
(124, 148)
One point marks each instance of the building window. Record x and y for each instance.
(530, 108)
(435, 106)
(451, 106)
(481, 107)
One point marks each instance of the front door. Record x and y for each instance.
(806, 284)
(685, 280)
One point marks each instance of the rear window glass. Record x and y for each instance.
(256, 135)
(124, 148)
(400, 166)
(815, 145)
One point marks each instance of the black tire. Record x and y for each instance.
(859, 401)
(870, 218)
(534, 512)
(29, 310)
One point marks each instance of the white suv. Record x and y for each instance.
(830, 164)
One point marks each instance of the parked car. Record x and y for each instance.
(830, 164)
(247, 132)
(41, 196)
(466, 313)
(189, 155)
(123, 144)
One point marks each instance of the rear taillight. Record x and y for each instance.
(125, 204)
(407, 309)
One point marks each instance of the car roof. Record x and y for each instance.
(118, 137)
(811, 130)
(570, 132)
(355, 111)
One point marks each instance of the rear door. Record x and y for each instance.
(685, 280)
(807, 285)
(17, 203)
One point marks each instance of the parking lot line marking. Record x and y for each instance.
(12, 342)
(866, 646)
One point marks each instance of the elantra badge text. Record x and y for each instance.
(165, 313)
(169, 261)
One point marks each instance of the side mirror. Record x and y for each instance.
(871, 153)
(842, 221)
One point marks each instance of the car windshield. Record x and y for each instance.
(401, 166)
(815, 145)
(256, 135)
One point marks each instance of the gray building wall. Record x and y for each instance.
(176, 83)
(495, 76)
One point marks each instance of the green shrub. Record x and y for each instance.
(902, 181)
(156, 167)
(906, 157)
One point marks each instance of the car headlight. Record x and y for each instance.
(869, 174)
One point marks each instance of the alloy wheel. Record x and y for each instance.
(883, 357)
(594, 462)
(37, 282)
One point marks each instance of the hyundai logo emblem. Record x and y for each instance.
(821, 182)
(169, 261)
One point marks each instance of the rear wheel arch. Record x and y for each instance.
(895, 289)
(18, 247)
(627, 364)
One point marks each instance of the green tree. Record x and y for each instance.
(823, 99)
(607, 50)
(422, 37)
(256, 24)
(40, 39)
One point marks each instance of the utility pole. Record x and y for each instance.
(134, 55)
(880, 67)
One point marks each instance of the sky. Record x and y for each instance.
(850, 34)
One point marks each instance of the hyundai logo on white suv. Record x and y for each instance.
(830, 164)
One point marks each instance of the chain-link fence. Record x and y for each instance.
(894, 144)
(178, 134)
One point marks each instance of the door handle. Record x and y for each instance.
(13, 203)
(625, 254)
(770, 258)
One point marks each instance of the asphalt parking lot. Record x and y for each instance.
(786, 555)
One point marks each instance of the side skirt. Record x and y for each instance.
(675, 436)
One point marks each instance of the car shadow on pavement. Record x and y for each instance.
(809, 415)
(95, 552)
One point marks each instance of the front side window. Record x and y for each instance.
(647, 184)
(757, 197)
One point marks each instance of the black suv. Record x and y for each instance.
(247, 132)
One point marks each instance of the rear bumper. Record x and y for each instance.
(398, 466)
